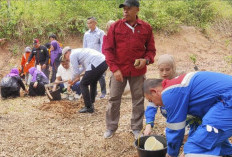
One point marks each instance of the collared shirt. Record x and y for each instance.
(86, 58)
(94, 39)
(124, 45)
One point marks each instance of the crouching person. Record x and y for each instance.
(64, 73)
(39, 79)
(11, 84)
(94, 65)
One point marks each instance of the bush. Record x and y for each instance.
(27, 19)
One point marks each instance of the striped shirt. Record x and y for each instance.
(82, 59)
(94, 39)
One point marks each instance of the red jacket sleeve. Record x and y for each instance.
(109, 49)
(150, 47)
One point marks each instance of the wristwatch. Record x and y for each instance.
(147, 61)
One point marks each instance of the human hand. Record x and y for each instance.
(147, 130)
(167, 155)
(50, 68)
(26, 90)
(54, 88)
(26, 63)
(182, 155)
(118, 76)
(35, 84)
(69, 88)
(44, 66)
(70, 82)
(142, 63)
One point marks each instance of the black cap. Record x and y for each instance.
(130, 3)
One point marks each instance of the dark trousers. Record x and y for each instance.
(38, 91)
(102, 82)
(90, 79)
(7, 92)
(54, 70)
(46, 71)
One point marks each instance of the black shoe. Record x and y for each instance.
(85, 110)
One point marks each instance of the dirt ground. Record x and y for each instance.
(36, 127)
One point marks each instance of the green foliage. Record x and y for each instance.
(24, 20)
(14, 49)
(193, 57)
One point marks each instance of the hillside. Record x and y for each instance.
(36, 127)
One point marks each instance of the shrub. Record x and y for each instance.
(27, 19)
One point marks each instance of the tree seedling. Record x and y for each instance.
(193, 57)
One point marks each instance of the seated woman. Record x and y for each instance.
(39, 79)
(11, 84)
(64, 73)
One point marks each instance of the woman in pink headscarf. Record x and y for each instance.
(11, 84)
(39, 79)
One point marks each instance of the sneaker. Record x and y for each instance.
(87, 110)
(109, 134)
(102, 96)
(137, 134)
(77, 96)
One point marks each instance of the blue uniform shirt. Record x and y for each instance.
(193, 94)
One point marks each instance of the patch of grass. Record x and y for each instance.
(228, 59)
(14, 49)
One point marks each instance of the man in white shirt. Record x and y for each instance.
(93, 39)
(94, 65)
(64, 73)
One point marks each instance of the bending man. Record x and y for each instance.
(206, 95)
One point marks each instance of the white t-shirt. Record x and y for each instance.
(65, 74)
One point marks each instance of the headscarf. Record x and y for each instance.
(27, 49)
(56, 52)
(33, 71)
(13, 72)
(167, 59)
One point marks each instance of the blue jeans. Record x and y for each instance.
(75, 87)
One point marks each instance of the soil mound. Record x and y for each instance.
(63, 108)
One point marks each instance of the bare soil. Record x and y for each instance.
(34, 126)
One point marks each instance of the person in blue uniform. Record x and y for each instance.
(167, 70)
(207, 95)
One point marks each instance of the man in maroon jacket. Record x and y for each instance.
(128, 40)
